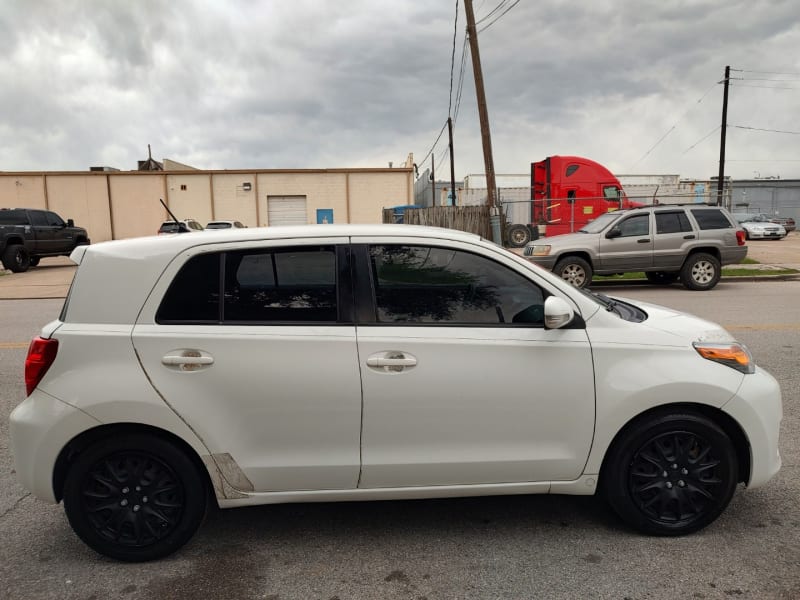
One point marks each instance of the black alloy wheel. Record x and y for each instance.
(673, 475)
(134, 497)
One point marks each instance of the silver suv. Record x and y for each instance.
(689, 242)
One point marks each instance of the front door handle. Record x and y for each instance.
(643, 241)
(391, 361)
(187, 360)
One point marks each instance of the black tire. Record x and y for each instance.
(34, 261)
(661, 277)
(574, 270)
(134, 497)
(670, 474)
(16, 258)
(518, 236)
(700, 272)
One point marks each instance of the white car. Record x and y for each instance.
(338, 362)
(224, 225)
(759, 227)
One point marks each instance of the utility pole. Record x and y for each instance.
(452, 163)
(483, 113)
(721, 179)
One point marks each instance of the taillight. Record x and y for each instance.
(41, 354)
(740, 237)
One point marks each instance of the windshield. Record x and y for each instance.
(600, 223)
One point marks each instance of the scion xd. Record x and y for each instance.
(324, 363)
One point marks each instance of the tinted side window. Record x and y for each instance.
(13, 217)
(711, 219)
(38, 218)
(672, 222)
(293, 284)
(53, 220)
(193, 296)
(637, 225)
(421, 284)
(611, 192)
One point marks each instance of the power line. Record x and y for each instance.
(764, 79)
(767, 130)
(705, 137)
(438, 137)
(491, 12)
(500, 16)
(671, 129)
(460, 80)
(764, 72)
(453, 62)
(767, 87)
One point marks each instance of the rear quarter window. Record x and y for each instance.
(711, 219)
(13, 217)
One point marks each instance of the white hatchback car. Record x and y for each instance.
(324, 363)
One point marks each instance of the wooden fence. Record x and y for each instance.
(473, 219)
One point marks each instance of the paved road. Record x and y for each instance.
(512, 547)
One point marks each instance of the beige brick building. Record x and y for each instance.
(124, 204)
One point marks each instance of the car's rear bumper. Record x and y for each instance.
(39, 428)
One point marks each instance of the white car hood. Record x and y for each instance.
(681, 324)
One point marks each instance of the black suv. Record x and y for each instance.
(28, 234)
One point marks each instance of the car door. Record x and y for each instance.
(44, 232)
(631, 249)
(255, 349)
(462, 384)
(673, 234)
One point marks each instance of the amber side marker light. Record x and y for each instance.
(41, 354)
(734, 355)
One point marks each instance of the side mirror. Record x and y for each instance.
(557, 313)
(614, 232)
(70, 223)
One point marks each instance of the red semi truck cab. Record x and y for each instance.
(569, 191)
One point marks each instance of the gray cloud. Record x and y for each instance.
(308, 84)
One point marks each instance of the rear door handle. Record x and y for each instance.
(688, 237)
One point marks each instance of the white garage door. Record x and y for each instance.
(287, 210)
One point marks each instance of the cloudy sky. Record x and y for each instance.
(632, 84)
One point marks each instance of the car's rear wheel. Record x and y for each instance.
(661, 277)
(134, 497)
(16, 258)
(575, 270)
(700, 272)
(670, 474)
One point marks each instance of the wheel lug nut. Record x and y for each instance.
(144, 499)
(684, 472)
(665, 474)
(669, 485)
(136, 508)
(674, 466)
(125, 490)
(682, 483)
(138, 488)
(124, 502)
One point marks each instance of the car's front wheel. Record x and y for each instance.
(700, 272)
(575, 270)
(134, 497)
(670, 474)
